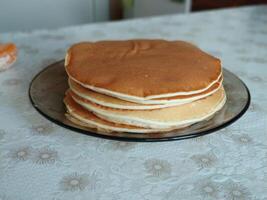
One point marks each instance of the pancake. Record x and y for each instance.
(166, 118)
(85, 118)
(109, 101)
(138, 70)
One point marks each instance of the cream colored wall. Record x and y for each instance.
(25, 15)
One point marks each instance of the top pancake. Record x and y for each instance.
(142, 69)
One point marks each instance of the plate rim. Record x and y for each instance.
(127, 139)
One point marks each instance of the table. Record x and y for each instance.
(40, 160)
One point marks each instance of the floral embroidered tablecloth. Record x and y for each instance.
(41, 160)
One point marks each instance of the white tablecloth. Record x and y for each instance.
(41, 160)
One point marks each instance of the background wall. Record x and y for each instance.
(25, 15)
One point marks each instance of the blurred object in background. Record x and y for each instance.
(26, 15)
(120, 9)
(213, 4)
(142, 8)
(8, 55)
(116, 9)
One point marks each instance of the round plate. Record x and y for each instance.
(48, 87)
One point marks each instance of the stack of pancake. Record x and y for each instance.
(141, 86)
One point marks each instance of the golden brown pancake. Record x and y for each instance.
(82, 117)
(164, 118)
(142, 69)
(113, 102)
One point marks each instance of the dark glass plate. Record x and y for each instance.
(48, 87)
